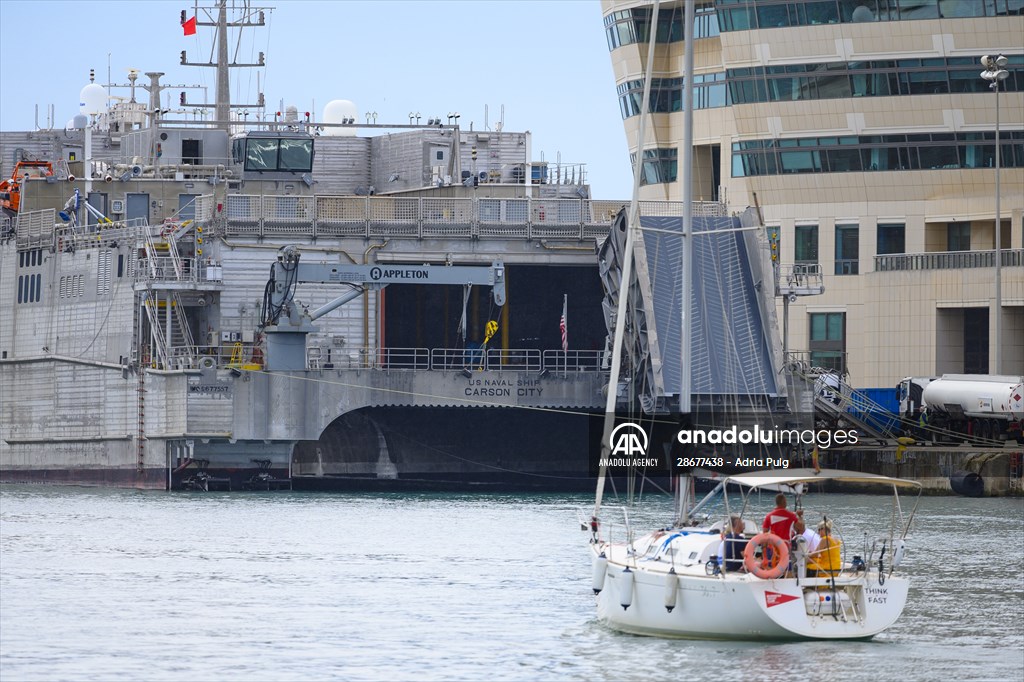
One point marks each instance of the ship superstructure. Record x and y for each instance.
(134, 282)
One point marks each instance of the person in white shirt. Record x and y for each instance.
(801, 529)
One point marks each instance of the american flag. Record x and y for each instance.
(562, 323)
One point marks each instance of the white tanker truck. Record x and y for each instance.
(980, 405)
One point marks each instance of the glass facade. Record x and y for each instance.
(660, 165)
(744, 15)
(831, 80)
(667, 94)
(877, 153)
(631, 26)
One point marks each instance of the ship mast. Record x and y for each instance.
(248, 17)
(223, 108)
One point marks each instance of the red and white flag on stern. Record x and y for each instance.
(189, 25)
(562, 323)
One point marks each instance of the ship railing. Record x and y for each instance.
(455, 359)
(531, 218)
(103, 235)
(489, 359)
(229, 355)
(318, 357)
(565, 361)
(205, 206)
(34, 229)
(164, 269)
(947, 260)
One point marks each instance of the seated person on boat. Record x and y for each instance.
(827, 559)
(800, 529)
(730, 552)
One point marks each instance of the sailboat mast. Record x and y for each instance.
(686, 251)
(687, 241)
(627, 265)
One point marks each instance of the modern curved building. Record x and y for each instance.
(865, 133)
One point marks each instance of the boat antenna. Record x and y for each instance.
(627, 271)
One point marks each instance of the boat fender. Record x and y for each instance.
(671, 589)
(626, 589)
(772, 564)
(600, 569)
(897, 555)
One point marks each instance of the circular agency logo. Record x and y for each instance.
(375, 273)
(628, 439)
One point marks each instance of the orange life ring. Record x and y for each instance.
(772, 564)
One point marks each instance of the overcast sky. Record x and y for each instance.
(546, 61)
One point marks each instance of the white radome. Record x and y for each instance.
(336, 111)
(92, 100)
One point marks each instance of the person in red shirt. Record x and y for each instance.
(780, 520)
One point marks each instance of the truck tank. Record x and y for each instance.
(977, 396)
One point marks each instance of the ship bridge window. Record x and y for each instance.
(261, 155)
(292, 155)
(296, 155)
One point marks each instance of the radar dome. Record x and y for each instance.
(93, 99)
(337, 111)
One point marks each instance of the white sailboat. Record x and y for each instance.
(671, 581)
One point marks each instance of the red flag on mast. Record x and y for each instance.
(190, 26)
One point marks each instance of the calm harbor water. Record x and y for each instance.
(101, 584)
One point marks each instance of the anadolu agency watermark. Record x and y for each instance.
(664, 448)
(820, 438)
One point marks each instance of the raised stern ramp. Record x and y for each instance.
(736, 358)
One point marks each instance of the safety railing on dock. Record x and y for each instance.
(431, 218)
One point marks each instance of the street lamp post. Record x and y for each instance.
(995, 71)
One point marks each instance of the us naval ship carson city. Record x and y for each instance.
(267, 301)
(194, 303)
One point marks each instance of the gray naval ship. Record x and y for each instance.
(211, 304)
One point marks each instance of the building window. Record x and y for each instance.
(805, 244)
(918, 151)
(847, 249)
(958, 237)
(660, 166)
(891, 238)
(709, 91)
(631, 26)
(828, 341)
(976, 340)
(744, 15)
